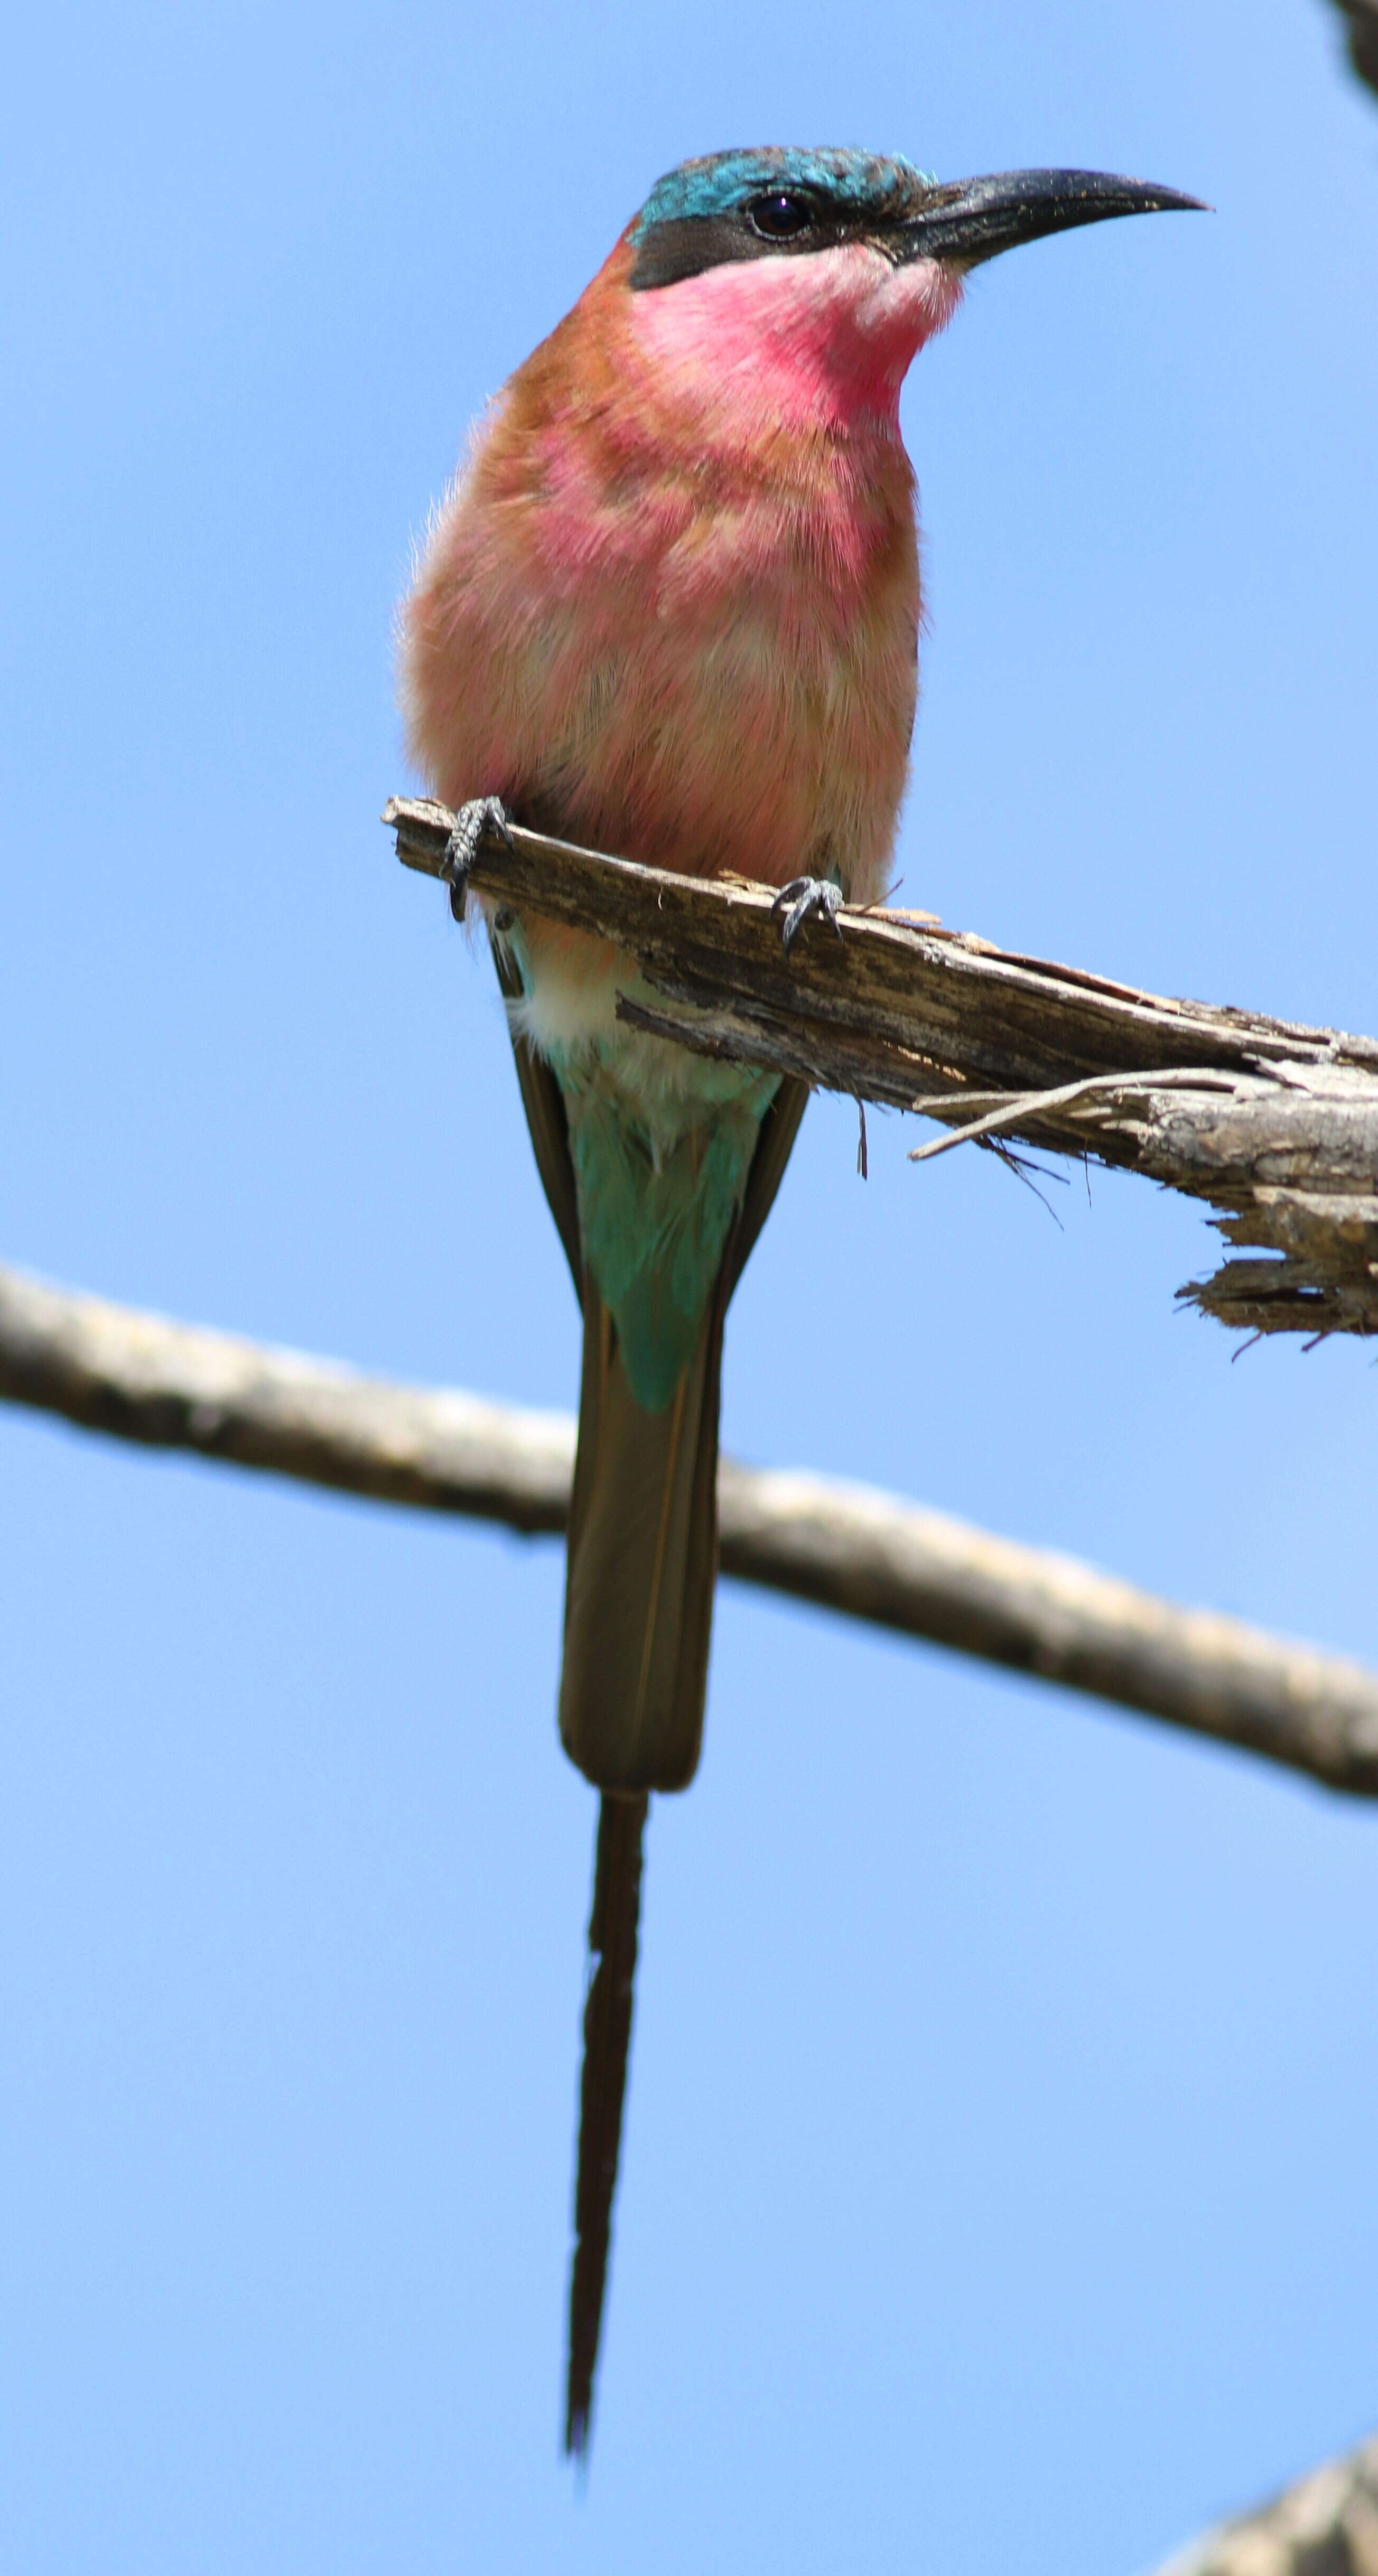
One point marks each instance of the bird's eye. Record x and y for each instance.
(780, 216)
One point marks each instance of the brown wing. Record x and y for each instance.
(545, 1116)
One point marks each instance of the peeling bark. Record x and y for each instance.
(1273, 1125)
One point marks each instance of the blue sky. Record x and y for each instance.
(999, 2188)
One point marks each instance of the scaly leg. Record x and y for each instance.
(804, 895)
(481, 814)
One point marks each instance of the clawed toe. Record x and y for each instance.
(804, 895)
(481, 814)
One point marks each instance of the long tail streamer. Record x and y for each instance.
(607, 2038)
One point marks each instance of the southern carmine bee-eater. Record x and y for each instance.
(670, 609)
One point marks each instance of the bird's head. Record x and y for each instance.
(825, 270)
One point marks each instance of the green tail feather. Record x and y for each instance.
(657, 1200)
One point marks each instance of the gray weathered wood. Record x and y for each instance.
(1275, 1125)
(1325, 2525)
(867, 1554)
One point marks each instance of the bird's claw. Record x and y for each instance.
(481, 814)
(804, 895)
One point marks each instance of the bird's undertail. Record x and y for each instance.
(607, 2037)
(643, 1554)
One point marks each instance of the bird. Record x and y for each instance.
(670, 609)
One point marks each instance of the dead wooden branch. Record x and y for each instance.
(1276, 1126)
(173, 1386)
(1361, 22)
(1325, 2525)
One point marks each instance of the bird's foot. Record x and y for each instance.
(481, 814)
(804, 895)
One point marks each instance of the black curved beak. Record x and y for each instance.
(969, 220)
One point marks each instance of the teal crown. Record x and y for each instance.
(852, 182)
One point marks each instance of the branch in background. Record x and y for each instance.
(1325, 2525)
(1275, 1125)
(867, 1554)
(1361, 19)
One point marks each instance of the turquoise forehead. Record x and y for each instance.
(723, 180)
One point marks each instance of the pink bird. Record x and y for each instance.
(670, 609)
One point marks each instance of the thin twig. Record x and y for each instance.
(1020, 1108)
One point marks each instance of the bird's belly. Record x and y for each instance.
(742, 761)
(744, 756)
(568, 1010)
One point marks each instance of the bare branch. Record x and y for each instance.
(1275, 1125)
(1325, 2525)
(1361, 21)
(173, 1386)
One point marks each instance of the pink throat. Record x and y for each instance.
(824, 339)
